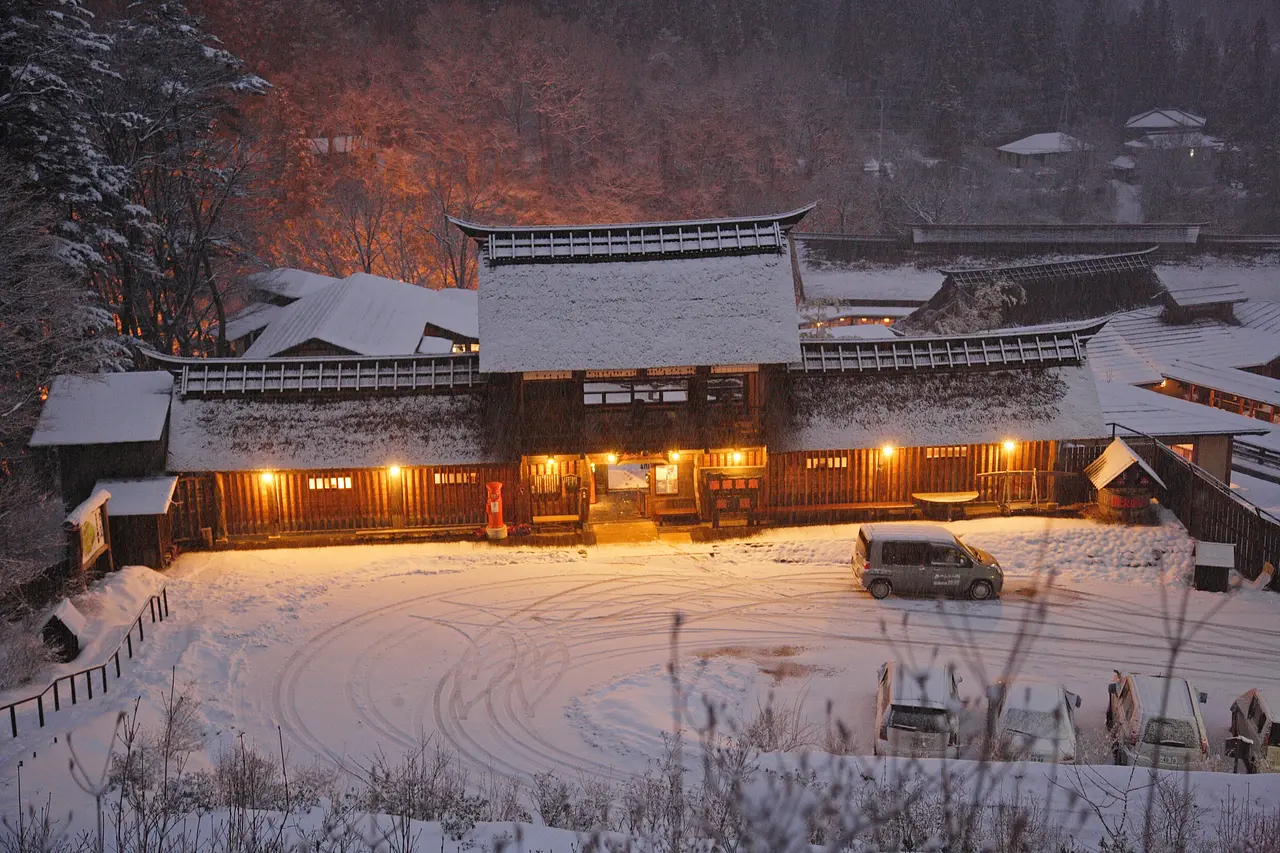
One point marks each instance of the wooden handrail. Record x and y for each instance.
(156, 604)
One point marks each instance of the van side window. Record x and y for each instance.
(943, 555)
(904, 553)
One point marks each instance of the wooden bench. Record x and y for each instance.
(675, 509)
(875, 508)
(548, 520)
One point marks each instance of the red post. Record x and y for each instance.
(496, 528)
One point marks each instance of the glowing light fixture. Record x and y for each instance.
(888, 320)
(394, 470)
(887, 451)
(266, 476)
(675, 455)
(1164, 383)
(737, 457)
(611, 458)
(551, 462)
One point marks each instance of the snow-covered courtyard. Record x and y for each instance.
(525, 659)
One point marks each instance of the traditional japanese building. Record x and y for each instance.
(669, 350)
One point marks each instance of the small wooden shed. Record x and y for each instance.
(138, 515)
(62, 631)
(1125, 483)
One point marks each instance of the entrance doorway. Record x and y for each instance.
(626, 493)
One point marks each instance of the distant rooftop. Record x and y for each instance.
(1166, 119)
(1045, 143)
(105, 408)
(1157, 414)
(1097, 265)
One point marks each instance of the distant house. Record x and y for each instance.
(1164, 120)
(1040, 149)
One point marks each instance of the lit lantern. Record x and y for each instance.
(266, 477)
(887, 451)
(888, 320)
(551, 462)
(675, 455)
(737, 458)
(1010, 446)
(394, 470)
(612, 459)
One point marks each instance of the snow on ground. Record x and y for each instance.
(524, 659)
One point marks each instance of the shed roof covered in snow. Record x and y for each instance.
(831, 270)
(239, 434)
(1262, 316)
(928, 409)
(1188, 291)
(105, 408)
(365, 315)
(1242, 383)
(251, 318)
(142, 496)
(598, 297)
(1114, 461)
(1152, 413)
(1045, 143)
(1164, 119)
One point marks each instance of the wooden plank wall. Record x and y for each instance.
(454, 496)
(869, 476)
(193, 508)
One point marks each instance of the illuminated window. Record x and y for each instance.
(321, 484)
(1186, 451)
(455, 478)
(822, 463)
(666, 479)
(946, 452)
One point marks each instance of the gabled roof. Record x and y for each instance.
(943, 407)
(632, 241)
(1204, 341)
(1114, 461)
(1164, 118)
(290, 283)
(1045, 143)
(364, 315)
(1156, 414)
(144, 496)
(239, 434)
(1175, 140)
(1242, 383)
(105, 408)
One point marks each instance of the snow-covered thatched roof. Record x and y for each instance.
(936, 408)
(251, 318)
(367, 315)
(105, 408)
(655, 294)
(238, 434)
(1045, 143)
(681, 311)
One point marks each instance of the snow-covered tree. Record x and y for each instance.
(52, 68)
(167, 119)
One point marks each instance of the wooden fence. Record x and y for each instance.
(157, 606)
(1209, 510)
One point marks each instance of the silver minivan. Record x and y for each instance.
(922, 559)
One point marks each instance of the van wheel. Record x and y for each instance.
(981, 590)
(880, 588)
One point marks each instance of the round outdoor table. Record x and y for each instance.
(943, 502)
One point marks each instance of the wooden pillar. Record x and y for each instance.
(395, 496)
(219, 508)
